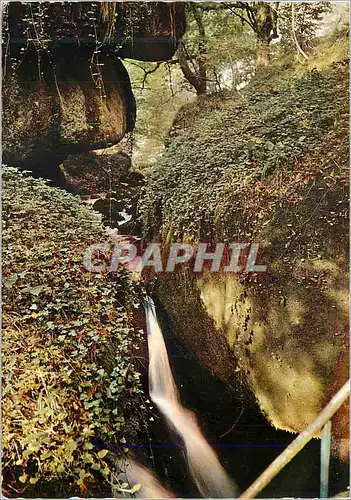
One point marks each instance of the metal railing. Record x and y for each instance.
(321, 422)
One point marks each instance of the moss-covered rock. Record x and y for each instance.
(63, 110)
(91, 173)
(71, 393)
(270, 167)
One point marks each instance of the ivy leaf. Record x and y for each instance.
(35, 290)
(9, 282)
(88, 446)
(71, 445)
(102, 453)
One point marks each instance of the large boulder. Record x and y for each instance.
(273, 170)
(147, 31)
(65, 89)
(62, 110)
(151, 30)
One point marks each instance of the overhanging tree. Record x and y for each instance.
(262, 18)
(194, 69)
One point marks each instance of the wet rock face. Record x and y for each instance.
(289, 349)
(65, 88)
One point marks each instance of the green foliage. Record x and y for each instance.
(230, 48)
(308, 18)
(68, 374)
(232, 143)
(332, 47)
(156, 87)
(229, 52)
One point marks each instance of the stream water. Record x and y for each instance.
(208, 474)
(189, 457)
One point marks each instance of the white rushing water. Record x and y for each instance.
(133, 473)
(208, 474)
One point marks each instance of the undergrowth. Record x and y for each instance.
(237, 145)
(70, 390)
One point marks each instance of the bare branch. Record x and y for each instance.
(147, 72)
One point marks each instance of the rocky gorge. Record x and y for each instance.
(266, 165)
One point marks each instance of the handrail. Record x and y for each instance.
(302, 439)
(325, 459)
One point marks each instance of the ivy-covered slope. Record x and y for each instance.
(269, 167)
(240, 155)
(70, 388)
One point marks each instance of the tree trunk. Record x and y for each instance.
(266, 17)
(197, 77)
(263, 58)
(293, 31)
(202, 47)
(193, 78)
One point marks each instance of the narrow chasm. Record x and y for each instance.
(175, 215)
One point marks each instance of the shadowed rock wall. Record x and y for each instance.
(63, 112)
(65, 89)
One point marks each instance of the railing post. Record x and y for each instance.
(302, 439)
(325, 459)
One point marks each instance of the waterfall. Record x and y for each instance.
(133, 473)
(208, 474)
